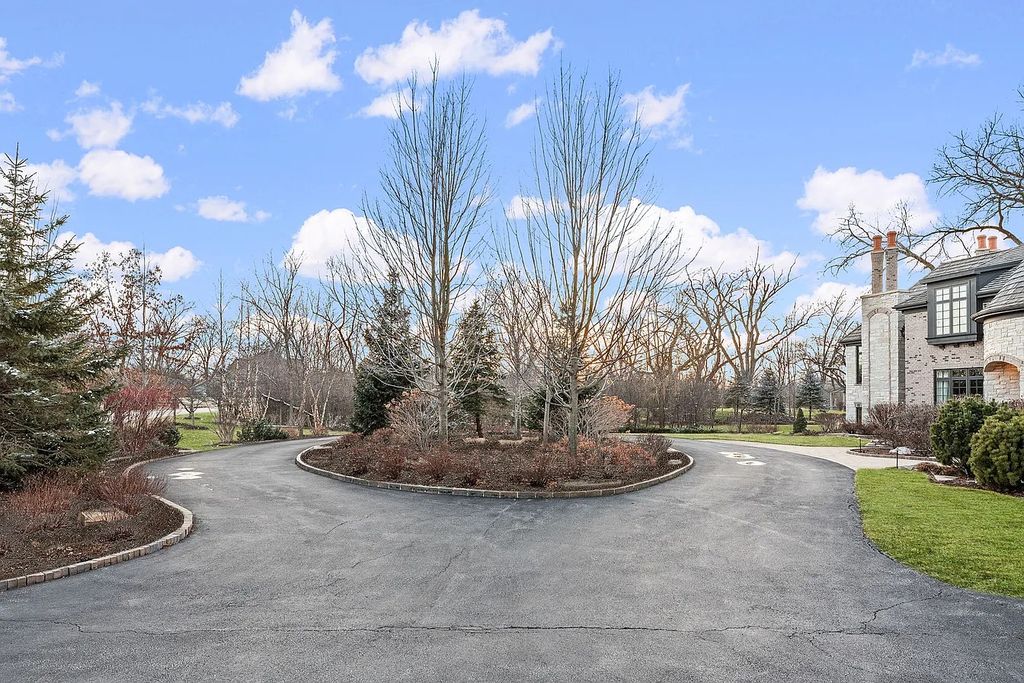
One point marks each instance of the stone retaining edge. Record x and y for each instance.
(176, 536)
(491, 493)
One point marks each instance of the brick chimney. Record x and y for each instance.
(892, 266)
(993, 243)
(876, 265)
(982, 246)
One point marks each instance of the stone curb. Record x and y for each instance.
(491, 493)
(167, 541)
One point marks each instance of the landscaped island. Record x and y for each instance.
(493, 464)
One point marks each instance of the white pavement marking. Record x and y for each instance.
(753, 463)
(184, 476)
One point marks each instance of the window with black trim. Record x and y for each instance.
(958, 383)
(859, 373)
(951, 310)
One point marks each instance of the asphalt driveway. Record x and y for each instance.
(730, 572)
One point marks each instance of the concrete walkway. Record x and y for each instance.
(837, 454)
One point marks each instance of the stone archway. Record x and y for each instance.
(1002, 378)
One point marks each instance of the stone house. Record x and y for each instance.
(958, 331)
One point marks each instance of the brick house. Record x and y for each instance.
(958, 331)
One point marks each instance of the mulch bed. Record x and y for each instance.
(883, 452)
(24, 552)
(528, 466)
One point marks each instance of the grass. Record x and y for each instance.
(780, 438)
(965, 537)
(202, 439)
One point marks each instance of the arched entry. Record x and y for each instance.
(1002, 378)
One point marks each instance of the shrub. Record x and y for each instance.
(389, 463)
(260, 430)
(657, 447)
(139, 413)
(958, 420)
(414, 420)
(128, 491)
(800, 423)
(11, 471)
(44, 500)
(469, 470)
(831, 422)
(899, 425)
(538, 471)
(997, 451)
(625, 459)
(936, 468)
(437, 464)
(169, 436)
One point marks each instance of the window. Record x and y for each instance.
(859, 373)
(859, 412)
(951, 310)
(956, 383)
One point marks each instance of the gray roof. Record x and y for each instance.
(918, 298)
(972, 265)
(853, 337)
(1009, 299)
(993, 287)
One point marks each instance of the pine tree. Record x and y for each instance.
(810, 392)
(387, 371)
(476, 365)
(767, 395)
(52, 377)
(737, 397)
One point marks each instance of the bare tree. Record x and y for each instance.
(854, 234)
(434, 189)
(588, 238)
(822, 349)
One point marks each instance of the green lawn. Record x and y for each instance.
(783, 439)
(965, 537)
(203, 439)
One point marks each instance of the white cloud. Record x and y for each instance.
(827, 291)
(468, 43)
(113, 173)
(87, 89)
(386, 105)
(8, 103)
(520, 206)
(299, 65)
(55, 178)
(951, 56)
(663, 115)
(830, 193)
(521, 113)
(326, 234)
(10, 65)
(196, 112)
(176, 263)
(220, 208)
(100, 127)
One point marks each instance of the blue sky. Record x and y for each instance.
(169, 125)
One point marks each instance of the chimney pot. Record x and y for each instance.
(892, 239)
(877, 246)
(993, 244)
(981, 242)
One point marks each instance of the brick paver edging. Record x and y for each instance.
(491, 493)
(170, 539)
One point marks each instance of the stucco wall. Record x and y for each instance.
(923, 359)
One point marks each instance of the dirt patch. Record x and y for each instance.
(26, 552)
(527, 466)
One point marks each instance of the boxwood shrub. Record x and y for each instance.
(997, 451)
(958, 420)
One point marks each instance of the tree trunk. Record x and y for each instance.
(479, 426)
(546, 431)
(574, 414)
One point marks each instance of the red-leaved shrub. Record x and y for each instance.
(44, 500)
(437, 464)
(128, 492)
(389, 461)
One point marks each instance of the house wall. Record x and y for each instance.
(1004, 356)
(854, 392)
(922, 358)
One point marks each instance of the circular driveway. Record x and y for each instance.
(729, 572)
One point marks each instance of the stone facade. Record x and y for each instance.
(1004, 348)
(882, 376)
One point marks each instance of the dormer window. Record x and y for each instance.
(951, 310)
(950, 307)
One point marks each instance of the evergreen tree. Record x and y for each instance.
(800, 423)
(737, 397)
(387, 371)
(52, 377)
(810, 392)
(767, 395)
(476, 365)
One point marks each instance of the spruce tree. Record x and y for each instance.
(767, 395)
(737, 397)
(53, 378)
(476, 365)
(810, 392)
(387, 371)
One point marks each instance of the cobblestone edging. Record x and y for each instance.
(170, 539)
(492, 493)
